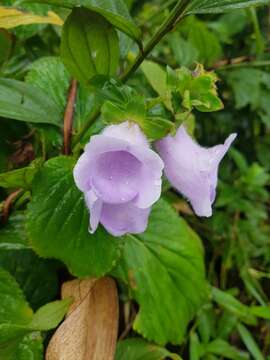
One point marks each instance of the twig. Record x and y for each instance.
(8, 204)
(68, 118)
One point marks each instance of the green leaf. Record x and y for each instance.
(222, 348)
(37, 277)
(124, 103)
(115, 11)
(14, 308)
(50, 315)
(30, 347)
(194, 89)
(6, 42)
(13, 234)
(157, 78)
(90, 45)
(250, 342)
(219, 6)
(20, 178)
(234, 306)
(50, 75)
(261, 311)
(165, 271)
(139, 349)
(21, 101)
(58, 211)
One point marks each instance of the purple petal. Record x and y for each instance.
(128, 131)
(116, 176)
(192, 169)
(94, 205)
(124, 218)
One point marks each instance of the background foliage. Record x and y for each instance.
(189, 288)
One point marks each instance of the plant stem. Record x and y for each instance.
(167, 26)
(68, 118)
(257, 32)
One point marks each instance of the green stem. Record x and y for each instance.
(261, 63)
(167, 26)
(257, 32)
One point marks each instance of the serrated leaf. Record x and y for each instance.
(166, 259)
(31, 347)
(21, 101)
(89, 46)
(139, 349)
(250, 342)
(223, 348)
(219, 6)
(58, 211)
(11, 17)
(115, 11)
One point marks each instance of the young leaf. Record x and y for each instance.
(21, 101)
(115, 11)
(168, 257)
(139, 349)
(158, 79)
(58, 211)
(50, 315)
(219, 6)
(90, 45)
(10, 18)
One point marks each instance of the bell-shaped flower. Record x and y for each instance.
(193, 169)
(120, 177)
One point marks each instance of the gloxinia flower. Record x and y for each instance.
(120, 177)
(192, 169)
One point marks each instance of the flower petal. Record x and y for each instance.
(124, 218)
(192, 169)
(127, 130)
(94, 205)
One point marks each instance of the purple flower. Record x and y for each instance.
(120, 177)
(192, 169)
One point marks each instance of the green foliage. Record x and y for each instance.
(24, 102)
(89, 45)
(138, 349)
(168, 257)
(114, 11)
(18, 324)
(192, 288)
